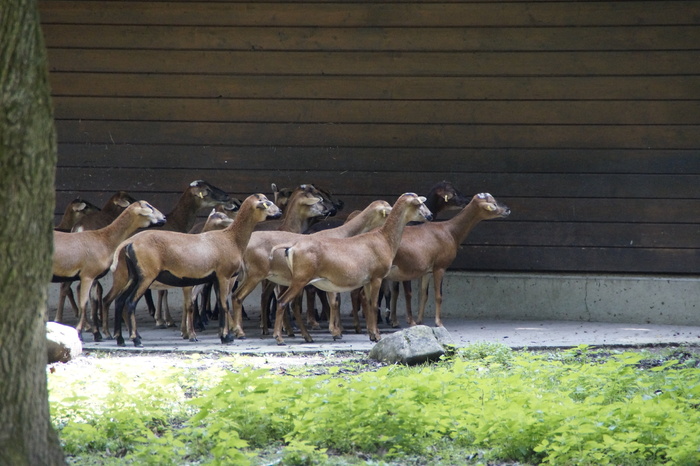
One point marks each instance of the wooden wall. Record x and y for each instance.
(584, 117)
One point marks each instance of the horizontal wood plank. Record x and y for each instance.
(455, 39)
(686, 87)
(391, 184)
(577, 260)
(642, 137)
(551, 210)
(548, 64)
(364, 14)
(584, 234)
(430, 160)
(380, 111)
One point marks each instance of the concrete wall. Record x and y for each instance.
(595, 298)
(508, 296)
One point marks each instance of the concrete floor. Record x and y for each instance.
(516, 310)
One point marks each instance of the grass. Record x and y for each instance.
(486, 403)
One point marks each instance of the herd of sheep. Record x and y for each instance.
(290, 244)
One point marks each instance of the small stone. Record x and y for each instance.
(63, 342)
(414, 345)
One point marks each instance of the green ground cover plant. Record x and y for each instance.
(486, 403)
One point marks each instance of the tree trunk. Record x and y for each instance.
(27, 165)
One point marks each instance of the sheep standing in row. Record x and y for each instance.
(184, 260)
(93, 220)
(345, 264)
(87, 255)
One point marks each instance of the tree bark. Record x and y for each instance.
(27, 166)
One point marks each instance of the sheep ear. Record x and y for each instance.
(79, 207)
(312, 200)
(141, 210)
(122, 203)
(421, 199)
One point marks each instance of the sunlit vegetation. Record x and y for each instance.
(484, 403)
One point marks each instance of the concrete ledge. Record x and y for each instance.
(590, 298)
(541, 297)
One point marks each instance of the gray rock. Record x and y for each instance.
(414, 345)
(63, 343)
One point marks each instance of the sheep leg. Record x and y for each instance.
(282, 304)
(221, 287)
(384, 295)
(298, 302)
(287, 323)
(408, 294)
(85, 318)
(311, 321)
(66, 292)
(244, 289)
(119, 318)
(133, 332)
(163, 317)
(269, 304)
(438, 276)
(334, 315)
(268, 289)
(356, 300)
(296, 308)
(393, 320)
(372, 298)
(150, 304)
(122, 287)
(140, 288)
(160, 323)
(326, 306)
(188, 314)
(99, 305)
(184, 333)
(424, 282)
(205, 310)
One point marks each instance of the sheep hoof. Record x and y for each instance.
(227, 339)
(97, 336)
(161, 326)
(337, 337)
(120, 341)
(137, 342)
(193, 340)
(281, 343)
